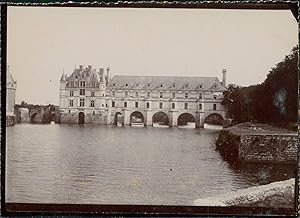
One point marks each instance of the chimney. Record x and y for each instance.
(101, 71)
(90, 67)
(80, 67)
(108, 77)
(224, 77)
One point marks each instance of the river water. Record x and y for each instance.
(92, 164)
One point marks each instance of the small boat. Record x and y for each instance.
(158, 125)
(137, 124)
(189, 125)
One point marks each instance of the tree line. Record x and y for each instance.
(274, 101)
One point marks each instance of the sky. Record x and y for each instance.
(42, 42)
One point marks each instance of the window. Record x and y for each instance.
(93, 94)
(126, 84)
(160, 105)
(200, 106)
(136, 94)
(200, 95)
(113, 93)
(82, 91)
(173, 94)
(161, 95)
(93, 112)
(81, 102)
(136, 104)
(113, 104)
(125, 104)
(186, 95)
(215, 97)
(214, 107)
(82, 84)
(185, 105)
(72, 83)
(148, 104)
(161, 85)
(126, 93)
(106, 105)
(71, 93)
(148, 94)
(173, 105)
(92, 103)
(71, 103)
(69, 111)
(173, 85)
(102, 105)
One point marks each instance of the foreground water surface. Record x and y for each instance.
(122, 165)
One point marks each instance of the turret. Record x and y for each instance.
(108, 76)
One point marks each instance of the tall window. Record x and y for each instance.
(148, 94)
(93, 94)
(186, 95)
(136, 94)
(125, 104)
(113, 93)
(82, 91)
(136, 104)
(148, 104)
(173, 105)
(185, 105)
(71, 93)
(200, 95)
(93, 84)
(214, 107)
(71, 103)
(173, 94)
(82, 84)
(200, 106)
(72, 83)
(160, 105)
(81, 102)
(161, 95)
(92, 103)
(126, 93)
(113, 104)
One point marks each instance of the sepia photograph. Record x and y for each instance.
(151, 106)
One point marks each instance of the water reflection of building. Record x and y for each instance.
(90, 96)
(11, 86)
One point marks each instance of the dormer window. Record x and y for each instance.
(214, 86)
(114, 84)
(161, 85)
(173, 85)
(126, 84)
(149, 84)
(199, 86)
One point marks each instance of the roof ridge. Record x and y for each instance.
(169, 76)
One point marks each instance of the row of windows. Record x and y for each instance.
(161, 105)
(82, 92)
(173, 85)
(81, 103)
(161, 95)
(92, 104)
(82, 84)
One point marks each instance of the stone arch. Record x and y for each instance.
(118, 118)
(81, 118)
(32, 117)
(160, 118)
(214, 118)
(136, 117)
(185, 119)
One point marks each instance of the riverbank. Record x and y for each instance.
(251, 142)
(274, 195)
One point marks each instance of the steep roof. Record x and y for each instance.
(166, 82)
(10, 82)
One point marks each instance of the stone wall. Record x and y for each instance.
(10, 120)
(269, 148)
(72, 118)
(273, 146)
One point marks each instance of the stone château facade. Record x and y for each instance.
(91, 96)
